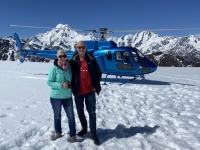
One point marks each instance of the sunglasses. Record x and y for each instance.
(64, 56)
(79, 47)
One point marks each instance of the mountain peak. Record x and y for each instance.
(149, 34)
(63, 26)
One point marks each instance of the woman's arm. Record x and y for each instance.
(52, 79)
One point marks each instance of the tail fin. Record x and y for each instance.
(18, 41)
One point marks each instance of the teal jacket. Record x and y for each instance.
(56, 77)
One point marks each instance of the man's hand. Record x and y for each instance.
(93, 89)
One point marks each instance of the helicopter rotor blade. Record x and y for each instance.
(30, 26)
(111, 31)
(105, 31)
(93, 30)
(22, 26)
(166, 29)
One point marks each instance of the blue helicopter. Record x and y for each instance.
(112, 60)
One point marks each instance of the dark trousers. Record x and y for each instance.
(90, 102)
(68, 107)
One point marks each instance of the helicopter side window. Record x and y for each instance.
(118, 56)
(127, 57)
(135, 56)
(109, 55)
(123, 56)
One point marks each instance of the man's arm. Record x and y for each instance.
(98, 74)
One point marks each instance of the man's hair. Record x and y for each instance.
(82, 42)
(61, 51)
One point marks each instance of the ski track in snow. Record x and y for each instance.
(159, 113)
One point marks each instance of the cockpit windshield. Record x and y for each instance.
(125, 56)
(139, 57)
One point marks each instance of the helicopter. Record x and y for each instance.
(112, 59)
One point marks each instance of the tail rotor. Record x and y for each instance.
(20, 48)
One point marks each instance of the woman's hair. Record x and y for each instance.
(61, 51)
(75, 46)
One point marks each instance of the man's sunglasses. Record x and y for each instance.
(64, 56)
(79, 47)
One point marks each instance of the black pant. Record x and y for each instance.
(90, 102)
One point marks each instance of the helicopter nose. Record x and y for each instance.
(153, 67)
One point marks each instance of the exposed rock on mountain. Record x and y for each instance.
(167, 60)
(149, 42)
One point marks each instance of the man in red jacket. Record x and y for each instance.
(86, 77)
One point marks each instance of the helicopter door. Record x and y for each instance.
(119, 61)
(101, 63)
(124, 61)
(109, 62)
(142, 61)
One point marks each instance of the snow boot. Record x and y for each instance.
(82, 132)
(95, 139)
(71, 139)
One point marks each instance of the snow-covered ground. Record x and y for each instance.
(161, 112)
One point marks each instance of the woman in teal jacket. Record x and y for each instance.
(59, 79)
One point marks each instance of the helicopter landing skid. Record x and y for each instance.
(135, 77)
(105, 80)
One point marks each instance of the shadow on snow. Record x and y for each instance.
(122, 132)
(144, 81)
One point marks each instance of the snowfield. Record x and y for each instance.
(161, 112)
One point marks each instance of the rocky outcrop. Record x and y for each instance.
(168, 60)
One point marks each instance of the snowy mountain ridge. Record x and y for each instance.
(149, 42)
(64, 37)
(61, 37)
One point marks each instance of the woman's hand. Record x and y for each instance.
(65, 85)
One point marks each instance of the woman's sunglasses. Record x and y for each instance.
(64, 56)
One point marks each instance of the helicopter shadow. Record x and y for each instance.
(144, 81)
(41, 74)
(122, 132)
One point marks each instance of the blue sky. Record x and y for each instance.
(93, 14)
